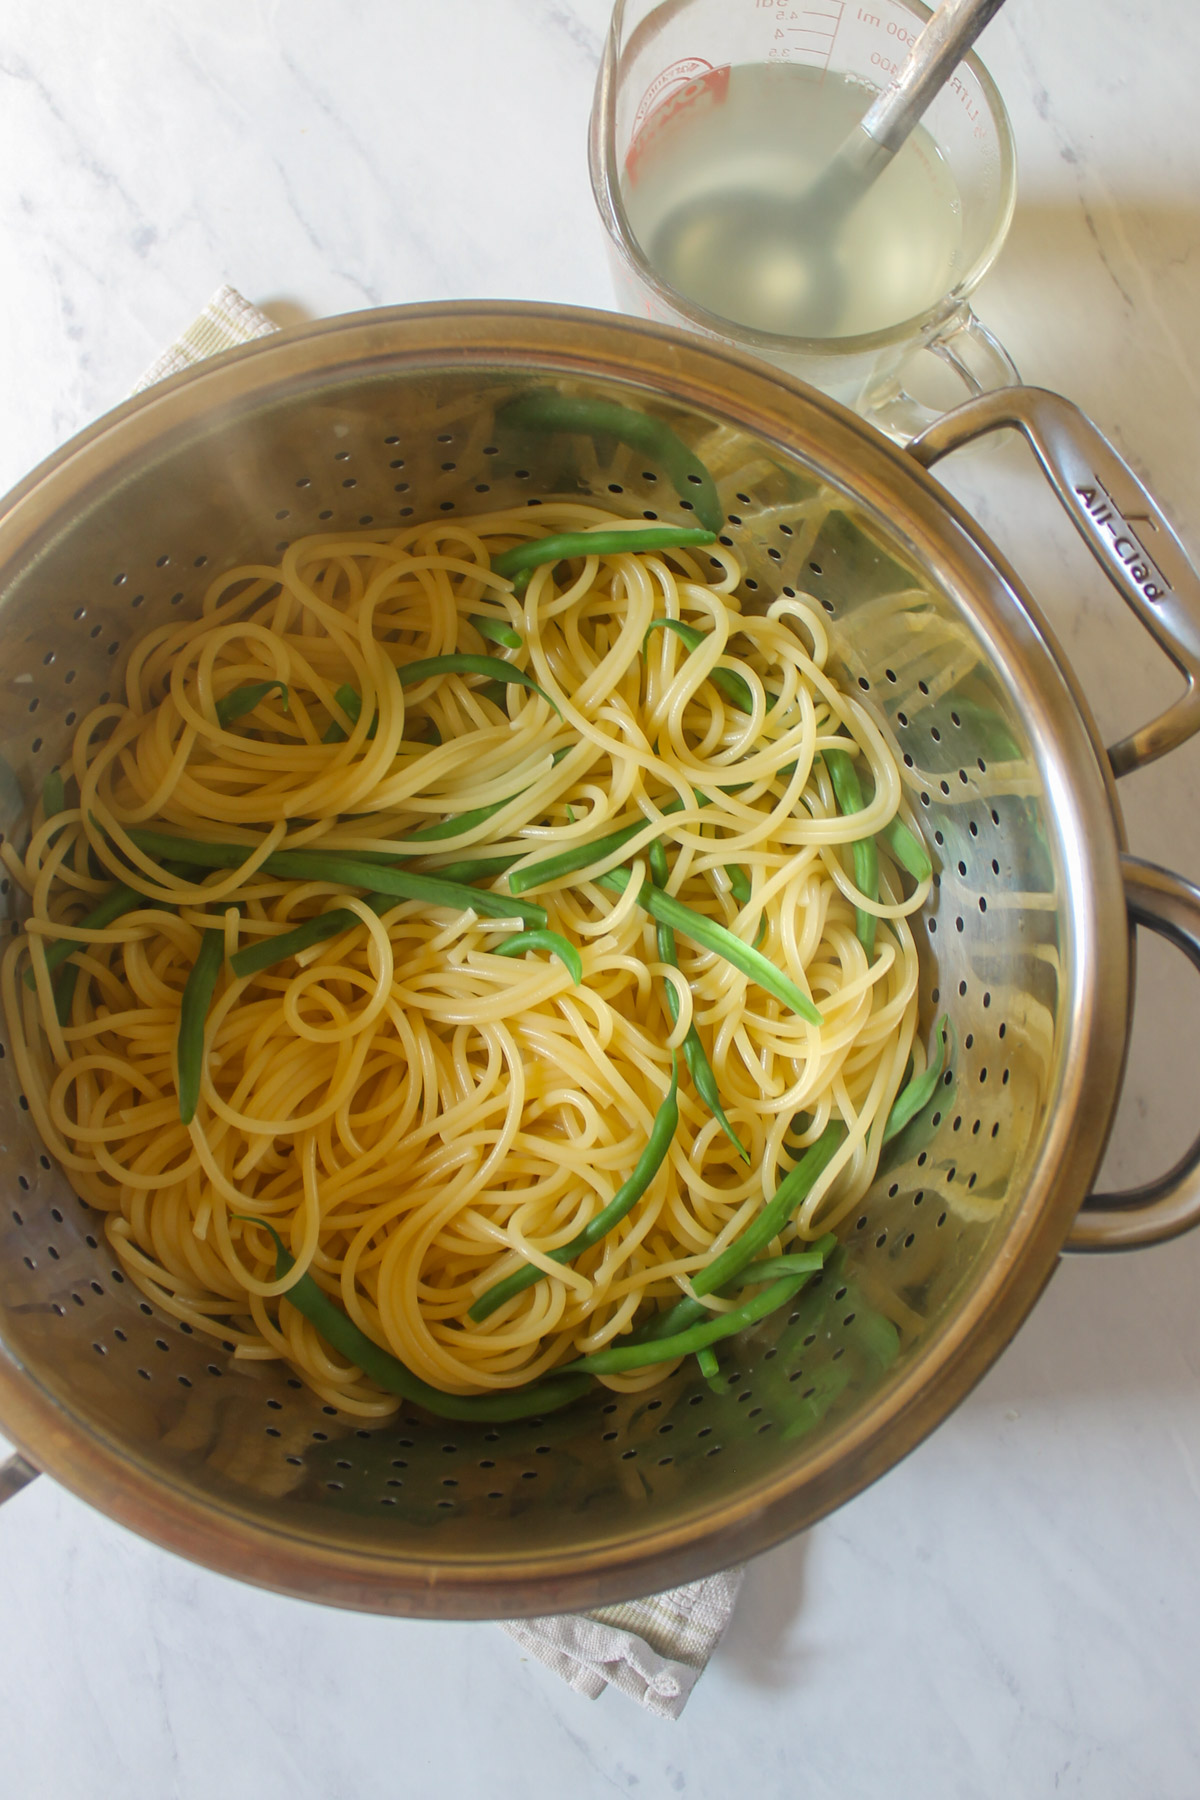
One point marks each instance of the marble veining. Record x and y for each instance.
(1012, 1612)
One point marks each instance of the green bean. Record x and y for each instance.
(203, 854)
(873, 1334)
(846, 785)
(694, 1054)
(117, 902)
(903, 844)
(917, 1095)
(907, 849)
(350, 701)
(666, 1122)
(805, 1262)
(739, 883)
(718, 939)
(193, 1012)
(522, 559)
(460, 662)
(659, 871)
(735, 687)
(240, 700)
(709, 1367)
(64, 991)
(570, 862)
(327, 865)
(552, 942)
(477, 868)
(545, 409)
(992, 735)
(253, 958)
(389, 1373)
(796, 1185)
(739, 887)
(584, 856)
(827, 1385)
(697, 1337)
(499, 631)
(263, 953)
(456, 824)
(452, 826)
(848, 790)
(402, 884)
(499, 674)
(54, 795)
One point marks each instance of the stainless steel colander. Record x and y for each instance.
(1027, 945)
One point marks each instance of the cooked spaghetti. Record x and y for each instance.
(416, 1114)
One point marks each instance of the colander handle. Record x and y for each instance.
(1123, 527)
(1164, 1208)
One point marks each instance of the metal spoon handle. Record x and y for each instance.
(929, 64)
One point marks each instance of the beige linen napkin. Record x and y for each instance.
(227, 321)
(655, 1649)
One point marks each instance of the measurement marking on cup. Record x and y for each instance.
(818, 34)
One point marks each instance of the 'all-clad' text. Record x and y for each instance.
(1126, 544)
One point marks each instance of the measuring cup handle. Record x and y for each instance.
(965, 344)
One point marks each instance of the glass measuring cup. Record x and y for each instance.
(685, 85)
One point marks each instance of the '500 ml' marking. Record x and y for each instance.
(1128, 548)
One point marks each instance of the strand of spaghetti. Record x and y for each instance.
(30, 1072)
(51, 1024)
(378, 987)
(230, 1194)
(168, 777)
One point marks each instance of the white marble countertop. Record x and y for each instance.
(1013, 1611)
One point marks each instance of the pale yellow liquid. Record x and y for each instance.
(773, 133)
